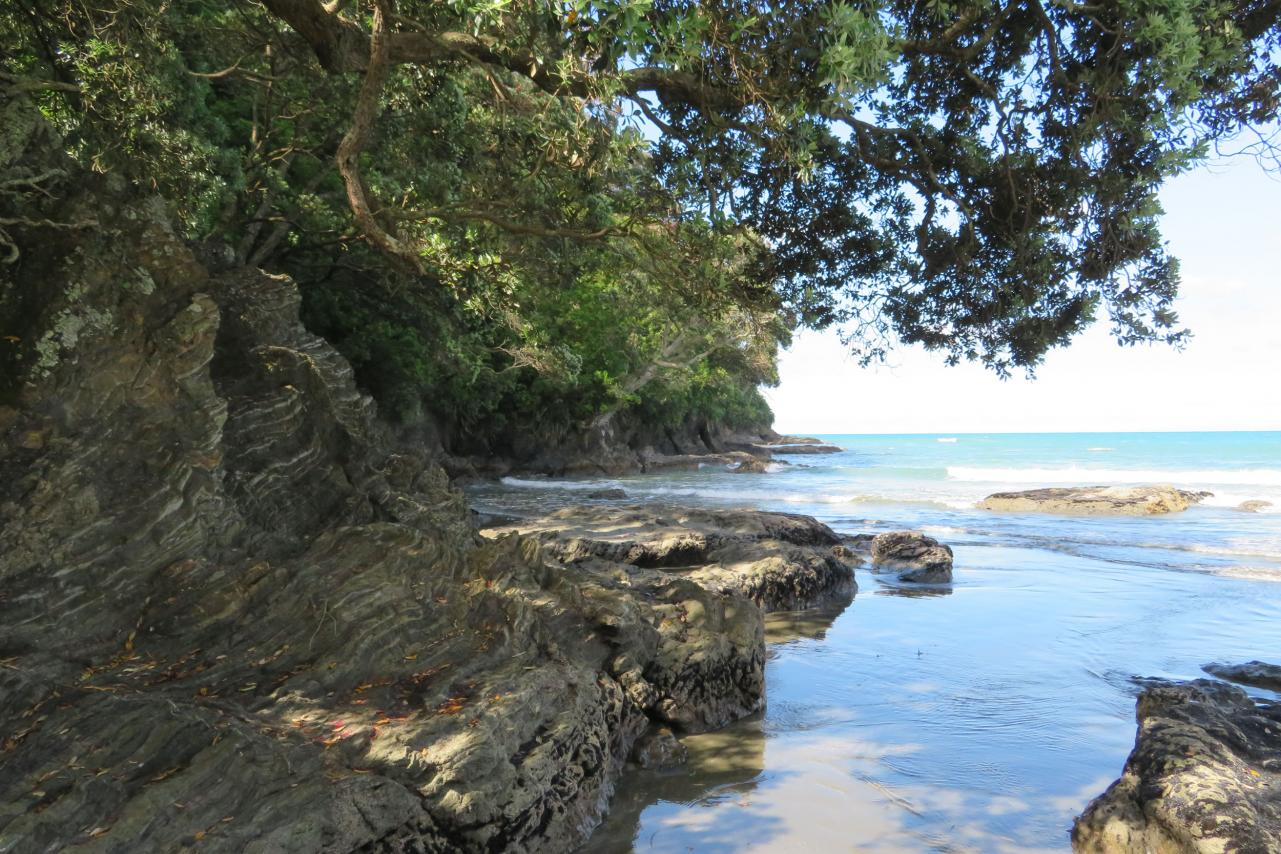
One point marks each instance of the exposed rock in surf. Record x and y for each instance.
(754, 465)
(611, 494)
(1203, 777)
(858, 543)
(778, 560)
(919, 559)
(1096, 500)
(1254, 505)
(1257, 674)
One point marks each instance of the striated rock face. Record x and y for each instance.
(710, 575)
(1257, 674)
(235, 617)
(1096, 500)
(1254, 505)
(920, 559)
(1203, 777)
(780, 561)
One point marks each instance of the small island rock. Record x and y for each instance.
(1096, 500)
(614, 492)
(1254, 505)
(923, 559)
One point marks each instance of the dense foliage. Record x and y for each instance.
(516, 212)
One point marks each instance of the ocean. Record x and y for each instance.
(982, 716)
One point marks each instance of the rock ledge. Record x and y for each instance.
(1203, 777)
(1096, 500)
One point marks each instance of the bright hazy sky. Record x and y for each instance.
(1222, 221)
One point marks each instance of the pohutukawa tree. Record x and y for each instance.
(557, 209)
(979, 177)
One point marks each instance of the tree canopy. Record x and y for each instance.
(558, 198)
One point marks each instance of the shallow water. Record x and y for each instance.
(984, 716)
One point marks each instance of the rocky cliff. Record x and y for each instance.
(234, 616)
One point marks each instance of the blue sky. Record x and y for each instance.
(1223, 221)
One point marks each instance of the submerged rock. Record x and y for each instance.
(1204, 777)
(1254, 505)
(921, 559)
(1256, 674)
(1096, 500)
(613, 493)
(659, 748)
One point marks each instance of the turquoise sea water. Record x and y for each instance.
(982, 716)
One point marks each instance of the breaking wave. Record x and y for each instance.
(1091, 476)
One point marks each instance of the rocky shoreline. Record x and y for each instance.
(1204, 776)
(613, 455)
(236, 615)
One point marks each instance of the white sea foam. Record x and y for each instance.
(1091, 476)
(529, 483)
(1251, 573)
(943, 530)
(949, 441)
(1238, 549)
(1100, 450)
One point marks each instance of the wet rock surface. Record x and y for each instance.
(236, 616)
(1256, 674)
(1204, 776)
(917, 558)
(1096, 500)
(607, 494)
(658, 749)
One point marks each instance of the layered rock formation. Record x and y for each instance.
(780, 561)
(235, 616)
(1096, 500)
(614, 449)
(1204, 777)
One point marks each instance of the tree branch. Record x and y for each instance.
(354, 141)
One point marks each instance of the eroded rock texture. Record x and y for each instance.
(917, 558)
(235, 617)
(1204, 776)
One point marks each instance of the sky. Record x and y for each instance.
(1223, 221)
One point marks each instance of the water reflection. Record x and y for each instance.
(724, 767)
(810, 624)
(888, 587)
